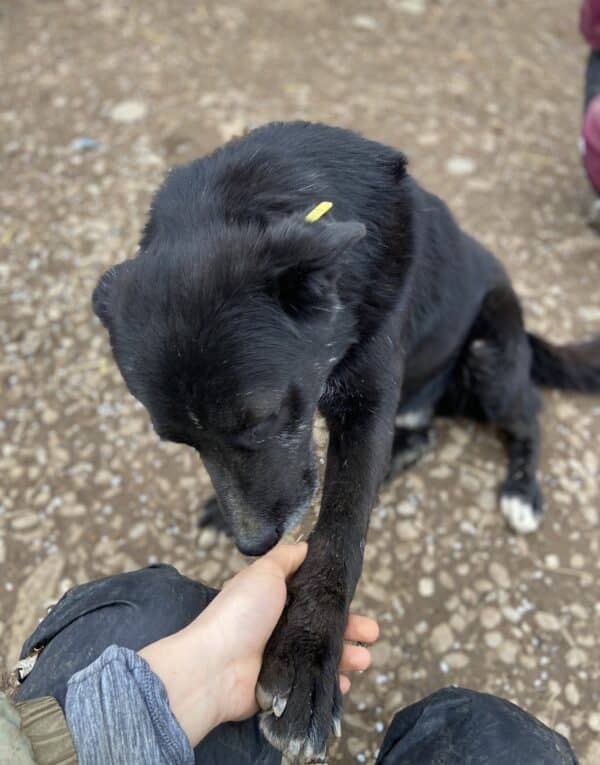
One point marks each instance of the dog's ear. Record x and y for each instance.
(307, 259)
(102, 295)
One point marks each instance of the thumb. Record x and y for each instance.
(287, 559)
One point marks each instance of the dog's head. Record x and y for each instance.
(227, 335)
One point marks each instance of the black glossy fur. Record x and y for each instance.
(237, 320)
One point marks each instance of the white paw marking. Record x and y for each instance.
(415, 418)
(520, 514)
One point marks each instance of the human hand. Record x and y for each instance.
(210, 668)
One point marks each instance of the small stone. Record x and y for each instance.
(207, 538)
(67, 510)
(490, 617)
(406, 509)
(547, 621)
(23, 522)
(441, 638)
(457, 660)
(414, 7)
(500, 575)
(552, 561)
(426, 587)
(508, 651)
(84, 144)
(49, 416)
(460, 166)
(487, 500)
(137, 530)
(129, 111)
(572, 694)
(450, 452)
(406, 531)
(361, 21)
(210, 571)
(458, 622)
(493, 639)
(593, 722)
(575, 657)
(512, 614)
(355, 745)
(395, 700)
(446, 580)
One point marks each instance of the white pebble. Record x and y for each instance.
(460, 166)
(129, 111)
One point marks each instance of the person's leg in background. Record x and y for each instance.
(131, 610)
(589, 25)
(455, 726)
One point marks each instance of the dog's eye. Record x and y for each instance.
(257, 428)
(255, 434)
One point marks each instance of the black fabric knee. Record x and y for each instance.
(592, 77)
(131, 610)
(455, 726)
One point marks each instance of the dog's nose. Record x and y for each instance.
(259, 544)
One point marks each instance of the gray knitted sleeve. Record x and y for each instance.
(118, 712)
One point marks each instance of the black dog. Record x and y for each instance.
(239, 318)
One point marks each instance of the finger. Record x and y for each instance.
(361, 629)
(355, 658)
(286, 558)
(344, 684)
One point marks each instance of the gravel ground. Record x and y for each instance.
(99, 99)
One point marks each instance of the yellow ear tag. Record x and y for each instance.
(318, 212)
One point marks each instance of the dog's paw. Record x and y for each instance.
(298, 691)
(523, 510)
(409, 446)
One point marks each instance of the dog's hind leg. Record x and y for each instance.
(497, 374)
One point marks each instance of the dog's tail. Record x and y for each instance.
(567, 367)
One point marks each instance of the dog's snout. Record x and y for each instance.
(261, 543)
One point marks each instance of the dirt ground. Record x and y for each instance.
(98, 100)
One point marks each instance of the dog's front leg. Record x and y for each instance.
(299, 683)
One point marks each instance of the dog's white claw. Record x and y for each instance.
(279, 705)
(337, 727)
(309, 752)
(520, 514)
(310, 756)
(294, 747)
(263, 699)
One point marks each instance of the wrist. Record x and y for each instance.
(192, 676)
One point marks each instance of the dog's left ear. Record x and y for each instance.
(102, 295)
(306, 261)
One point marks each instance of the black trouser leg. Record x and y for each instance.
(455, 726)
(592, 77)
(132, 610)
